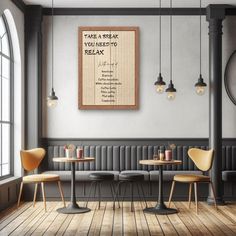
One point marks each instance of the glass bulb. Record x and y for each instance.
(170, 96)
(200, 90)
(52, 103)
(160, 88)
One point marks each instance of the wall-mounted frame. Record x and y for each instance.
(108, 68)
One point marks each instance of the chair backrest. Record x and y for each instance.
(31, 159)
(202, 159)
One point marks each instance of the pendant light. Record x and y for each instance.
(200, 85)
(52, 98)
(160, 84)
(171, 91)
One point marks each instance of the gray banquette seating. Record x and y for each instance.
(121, 159)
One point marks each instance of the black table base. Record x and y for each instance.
(160, 208)
(73, 209)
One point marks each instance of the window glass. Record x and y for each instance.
(5, 45)
(6, 124)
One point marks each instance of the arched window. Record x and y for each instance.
(6, 100)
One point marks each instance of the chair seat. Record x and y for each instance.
(131, 176)
(191, 178)
(40, 178)
(102, 176)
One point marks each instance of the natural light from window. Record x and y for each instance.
(6, 121)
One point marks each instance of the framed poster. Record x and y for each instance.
(108, 67)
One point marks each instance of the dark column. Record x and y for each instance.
(215, 16)
(33, 75)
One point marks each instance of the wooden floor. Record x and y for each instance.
(34, 221)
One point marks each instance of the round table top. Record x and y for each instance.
(159, 163)
(71, 159)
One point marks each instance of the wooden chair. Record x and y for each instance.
(203, 160)
(30, 160)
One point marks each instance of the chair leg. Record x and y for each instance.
(132, 196)
(35, 193)
(144, 199)
(99, 195)
(90, 190)
(195, 192)
(214, 195)
(190, 194)
(44, 199)
(19, 197)
(116, 195)
(171, 192)
(61, 192)
(113, 193)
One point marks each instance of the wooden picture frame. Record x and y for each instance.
(108, 68)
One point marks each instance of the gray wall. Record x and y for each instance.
(157, 117)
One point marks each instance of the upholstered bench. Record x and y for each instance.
(121, 159)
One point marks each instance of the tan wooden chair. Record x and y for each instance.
(30, 160)
(203, 160)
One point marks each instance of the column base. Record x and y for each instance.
(219, 201)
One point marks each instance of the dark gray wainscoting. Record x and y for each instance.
(9, 192)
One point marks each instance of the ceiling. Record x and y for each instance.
(125, 3)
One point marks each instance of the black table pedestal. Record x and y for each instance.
(73, 207)
(160, 208)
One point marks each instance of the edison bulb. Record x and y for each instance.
(160, 88)
(52, 103)
(170, 96)
(200, 90)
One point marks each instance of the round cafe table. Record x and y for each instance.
(160, 208)
(73, 207)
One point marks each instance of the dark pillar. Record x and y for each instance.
(33, 75)
(215, 15)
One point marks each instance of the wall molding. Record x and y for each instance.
(133, 141)
(230, 10)
(20, 4)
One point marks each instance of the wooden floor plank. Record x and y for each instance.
(84, 225)
(219, 217)
(129, 220)
(153, 223)
(20, 230)
(48, 218)
(30, 228)
(97, 220)
(11, 226)
(56, 224)
(106, 227)
(178, 224)
(117, 226)
(208, 222)
(6, 219)
(142, 226)
(190, 220)
(64, 225)
(121, 221)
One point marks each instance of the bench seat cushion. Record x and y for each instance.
(143, 172)
(229, 175)
(79, 175)
(169, 175)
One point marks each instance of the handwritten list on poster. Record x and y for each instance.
(108, 69)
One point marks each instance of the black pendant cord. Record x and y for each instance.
(171, 41)
(200, 46)
(52, 41)
(160, 36)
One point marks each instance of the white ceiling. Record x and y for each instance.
(125, 3)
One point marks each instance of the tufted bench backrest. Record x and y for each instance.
(119, 158)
